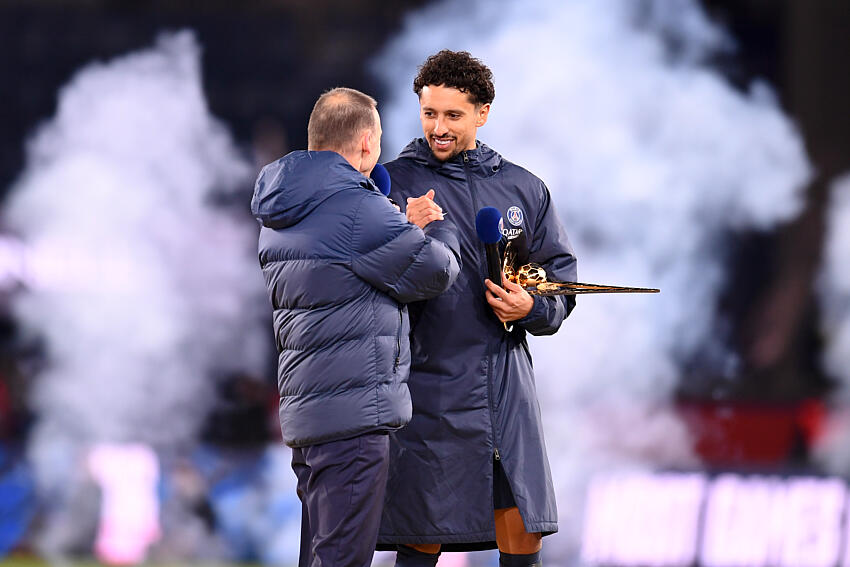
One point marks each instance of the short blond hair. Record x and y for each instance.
(338, 118)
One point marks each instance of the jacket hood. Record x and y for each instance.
(483, 160)
(289, 188)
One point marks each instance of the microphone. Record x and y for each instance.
(381, 177)
(488, 225)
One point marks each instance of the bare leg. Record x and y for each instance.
(511, 536)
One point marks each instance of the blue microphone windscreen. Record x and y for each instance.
(381, 177)
(488, 225)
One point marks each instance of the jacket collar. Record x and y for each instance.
(483, 161)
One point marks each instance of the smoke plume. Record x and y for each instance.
(143, 290)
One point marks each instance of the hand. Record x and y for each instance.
(422, 210)
(509, 304)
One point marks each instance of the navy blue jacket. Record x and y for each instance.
(471, 382)
(339, 261)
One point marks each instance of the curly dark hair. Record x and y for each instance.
(459, 70)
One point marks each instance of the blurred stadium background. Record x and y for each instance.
(699, 146)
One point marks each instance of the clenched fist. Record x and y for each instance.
(423, 210)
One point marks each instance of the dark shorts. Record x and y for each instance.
(503, 497)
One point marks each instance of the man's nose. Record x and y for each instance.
(440, 127)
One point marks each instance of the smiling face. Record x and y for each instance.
(450, 120)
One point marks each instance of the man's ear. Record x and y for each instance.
(366, 142)
(481, 115)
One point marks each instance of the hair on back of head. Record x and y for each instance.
(338, 118)
(459, 70)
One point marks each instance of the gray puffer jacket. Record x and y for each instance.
(340, 262)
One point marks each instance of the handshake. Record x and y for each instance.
(420, 210)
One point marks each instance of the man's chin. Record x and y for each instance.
(444, 154)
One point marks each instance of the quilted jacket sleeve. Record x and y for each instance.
(398, 257)
(551, 249)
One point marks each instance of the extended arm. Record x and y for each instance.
(398, 257)
(551, 249)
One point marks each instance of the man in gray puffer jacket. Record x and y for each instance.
(340, 262)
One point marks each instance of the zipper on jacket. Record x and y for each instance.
(475, 204)
(398, 341)
(472, 192)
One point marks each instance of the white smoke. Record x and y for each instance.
(834, 295)
(142, 289)
(652, 159)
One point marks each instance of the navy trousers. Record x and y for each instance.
(341, 486)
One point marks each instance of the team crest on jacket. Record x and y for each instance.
(515, 216)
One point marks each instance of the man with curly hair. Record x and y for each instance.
(470, 471)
